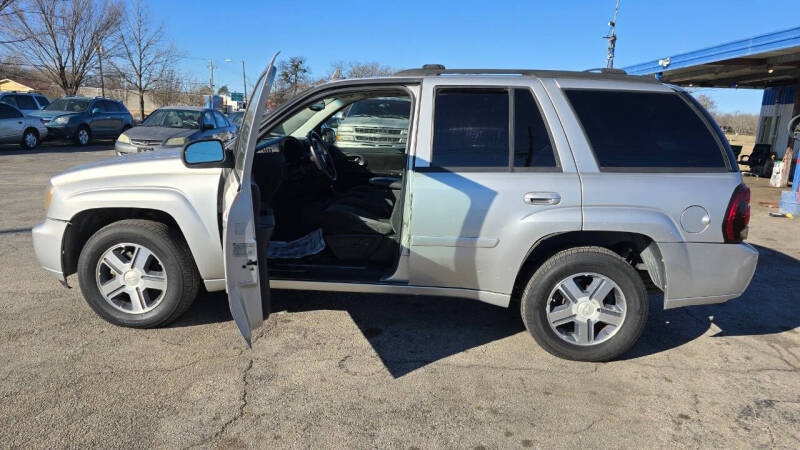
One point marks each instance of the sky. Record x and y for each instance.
(564, 34)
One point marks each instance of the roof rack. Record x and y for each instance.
(438, 69)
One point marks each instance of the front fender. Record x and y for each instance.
(194, 212)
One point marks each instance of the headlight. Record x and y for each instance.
(176, 141)
(48, 195)
(124, 139)
(61, 120)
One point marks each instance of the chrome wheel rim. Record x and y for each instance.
(131, 278)
(83, 136)
(30, 140)
(586, 309)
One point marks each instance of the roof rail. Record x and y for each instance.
(607, 70)
(438, 69)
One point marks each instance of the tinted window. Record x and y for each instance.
(173, 118)
(43, 101)
(208, 119)
(8, 112)
(9, 99)
(645, 129)
(532, 145)
(98, 105)
(68, 104)
(221, 121)
(110, 106)
(26, 102)
(470, 128)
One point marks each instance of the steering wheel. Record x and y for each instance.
(321, 156)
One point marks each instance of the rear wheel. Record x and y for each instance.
(138, 273)
(83, 136)
(585, 304)
(30, 139)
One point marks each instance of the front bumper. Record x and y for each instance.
(127, 149)
(59, 132)
(48, 238)
(702, 274)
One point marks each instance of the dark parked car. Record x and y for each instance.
(174, 126)
(236, 118)
(83, 119)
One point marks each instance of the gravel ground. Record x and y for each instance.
(344, 370)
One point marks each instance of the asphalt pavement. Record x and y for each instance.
(366, 371)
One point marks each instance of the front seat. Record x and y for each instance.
(364, 225)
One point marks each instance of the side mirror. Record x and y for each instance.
(95, 111)
(794, 127)
(206, 153)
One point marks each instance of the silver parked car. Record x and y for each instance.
(17, 128)
(562, 193)
(174, 126)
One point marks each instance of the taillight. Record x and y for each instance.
(737, 217)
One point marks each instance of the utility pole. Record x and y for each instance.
(102, 79)
(612, 39)
(211, 66)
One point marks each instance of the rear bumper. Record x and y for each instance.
(48, 237)
(702, 274)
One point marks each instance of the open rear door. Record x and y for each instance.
(243, 276)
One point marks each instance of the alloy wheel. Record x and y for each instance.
(586, 309)
(31, 141)
(83, 136)
(131, 278)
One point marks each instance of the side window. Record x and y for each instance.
(532, 144)
(110, 106)
(26, 102)
(470, 128)
(8, 112)
(98, 105)
(646, 130)
(43, 101)
(208, 118)
(221, 121)
(10, 100)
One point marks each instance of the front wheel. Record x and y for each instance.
(585, 304)
(83, 136)
(138, 273)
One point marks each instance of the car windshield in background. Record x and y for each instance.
(381, 107)
(68, 104)
(173, 118)
(236, 118)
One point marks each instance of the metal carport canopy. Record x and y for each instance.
(759, 62)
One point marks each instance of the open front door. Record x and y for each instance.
(244, 278)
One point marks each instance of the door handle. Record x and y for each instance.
(542, 198)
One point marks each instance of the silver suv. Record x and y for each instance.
(569, 194)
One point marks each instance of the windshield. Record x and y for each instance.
(236, 118)
(68, 104)
(380, 107)
(173, 118)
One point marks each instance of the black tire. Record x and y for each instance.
(78, 134)
(580, 260)
(26, 140)
(170, 248)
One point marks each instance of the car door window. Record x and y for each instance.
(9, 112)
(43, 101)
(9, 99)
(532, 144)
(208, 118)
(221, 121)
(26, 102)
(98, 105)
(471, 128)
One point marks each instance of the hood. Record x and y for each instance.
(52, 114)
(374, 121)
(136, 164)
(158, 133)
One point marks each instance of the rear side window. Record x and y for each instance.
(470, 128)
(647, 130)
(112, 106)
(26, 102)
(7, 112)
(9, 99)
(532, 144)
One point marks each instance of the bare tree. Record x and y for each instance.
(708, 103)
(60, 38)
(144, 57)
(355, 69)
(5, 4)
(293, 73)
